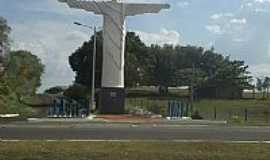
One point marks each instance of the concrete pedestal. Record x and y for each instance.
(111, 101)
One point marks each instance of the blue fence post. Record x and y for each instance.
(175, 109)
(172, 109)
(178, 109)
(215, 113)
(246, 115)
(182, 110)
(187, 109)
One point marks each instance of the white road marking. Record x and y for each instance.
(147, 141)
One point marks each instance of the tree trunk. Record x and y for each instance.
(163, 90)
(254, 93)
(267, 92)
(192, 96)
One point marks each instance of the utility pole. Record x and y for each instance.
(94, 71)
(92, 99)
(192, 87)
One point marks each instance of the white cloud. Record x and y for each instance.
(239, 40)
(251, 3)
(238, 21)
(260, 70)
(269, 49)
(183, 4)
(224, 23)
(262, 1)
(215, 29)
(52, 43)
(261, 10)
(257, 6)
(220, 15)
(164, 37)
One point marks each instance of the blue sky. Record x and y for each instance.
(239, 28)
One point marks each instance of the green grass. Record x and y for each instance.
(132, 151)
(258, 110)
(230, 110)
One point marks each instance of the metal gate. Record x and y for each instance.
(63, 107)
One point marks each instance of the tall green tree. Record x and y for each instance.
(135, 61)
(166, 66)
(161, 67)
(4, 44)
(265, 86)
(4, 31)
(21, 75)
(188, 61)
(259, 84)
(81, 61)
(24, 73)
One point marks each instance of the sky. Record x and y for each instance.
(236, 28)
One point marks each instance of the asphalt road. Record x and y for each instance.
(132, 132)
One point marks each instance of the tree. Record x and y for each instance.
(24, 73)
(55, 90)
(136, 61)
(76, 92)
(160, 67)
(217, 76)
(265, 86)
(166, 66)
(188, 62)
(4, 44)
(259, 84)
(81, 61)
(4, 30)
(20, 75)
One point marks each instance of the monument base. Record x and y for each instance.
(111, 101)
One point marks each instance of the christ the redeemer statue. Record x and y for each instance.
(112, 96)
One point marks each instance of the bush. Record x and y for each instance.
(54, 90)
(157, 109)
(236, 119)
(76, 92)
(9, 103)
(196, 115)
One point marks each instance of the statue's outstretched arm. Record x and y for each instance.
(134, 9)
(90, 6)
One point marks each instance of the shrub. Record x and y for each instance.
(196, 115)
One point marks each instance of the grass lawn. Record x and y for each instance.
(231, 110)
(258, 111)
(131, 151)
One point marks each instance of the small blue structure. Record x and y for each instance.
(178, 109)
(64, 107)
